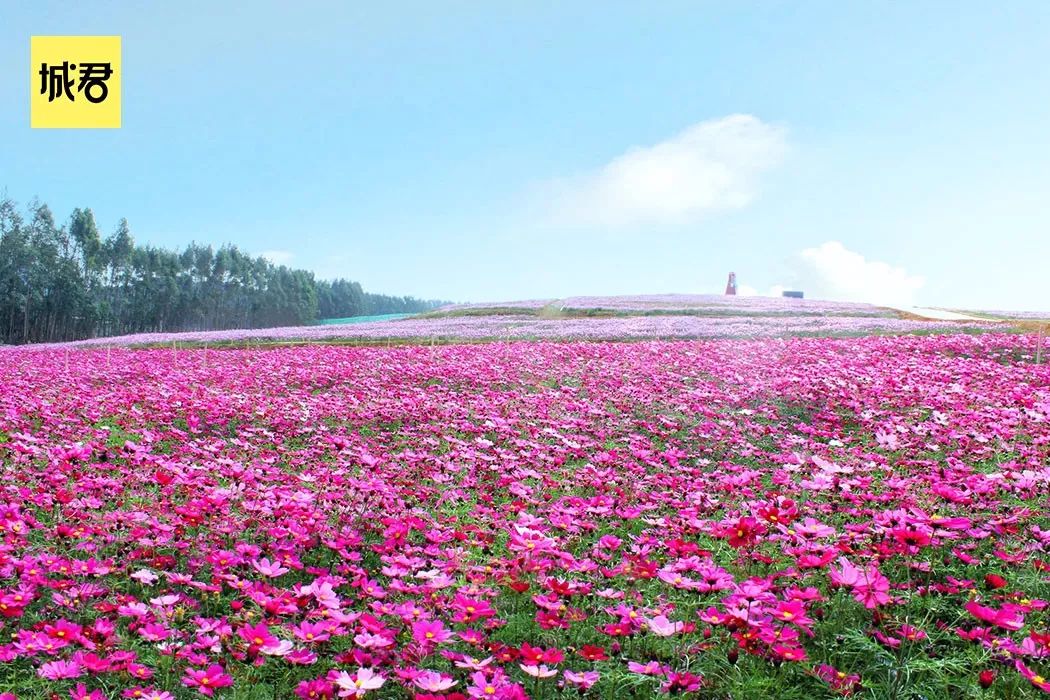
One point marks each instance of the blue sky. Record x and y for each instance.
(482, 151)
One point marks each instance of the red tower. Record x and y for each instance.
(731, 285)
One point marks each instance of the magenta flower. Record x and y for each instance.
(208, 680)
(313, 632)
(317, 689)
(257, 635)
(1008, 617)
(81, 692)
(60, 670)
(429, 632)
(152, 632)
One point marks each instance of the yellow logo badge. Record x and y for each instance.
(74, 82)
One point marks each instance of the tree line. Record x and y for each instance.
(67, 282)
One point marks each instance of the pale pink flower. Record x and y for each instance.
(662, 627)
(356, 685)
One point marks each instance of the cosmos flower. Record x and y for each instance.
(434, 682)
(59, 670)
(247, 513)
(359, 683)
(662, 627)
(582, 679)
(430, 632)
(208, 680)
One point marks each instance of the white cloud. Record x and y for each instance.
(277, 257)
(832, 271)
(711, 166)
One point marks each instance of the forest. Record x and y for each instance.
(67, 282)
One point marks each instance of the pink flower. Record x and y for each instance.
(470, 609)
(278, 647)
(356, 685)
(257, 635)
(317, 689)
(145, 576)
(59, 670)
(272, 569)
(681, 683)
(301, 657)
(433, 682)
(789, 652)
(1009, 617)
(148, 694)
(491, 686)
(81, 692)
(208, 680)
(651, 668)
(583, 679)
(869, 586)
(1034, 678)
(838, 680)
(540, 671)
(152, 632)
(64, 630)
(791, 611)
(313, 632)
(430, 632)
(662, 627)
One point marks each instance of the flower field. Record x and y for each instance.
(488, 328)
(751, 305)
(685, 303)
(763, 518)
